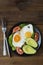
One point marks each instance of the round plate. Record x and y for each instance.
(35, 29)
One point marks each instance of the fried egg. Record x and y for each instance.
(18, 40)
(20, 36)
(27, 31)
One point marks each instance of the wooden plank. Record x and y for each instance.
(14, 60)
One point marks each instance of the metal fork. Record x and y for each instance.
(5, 44)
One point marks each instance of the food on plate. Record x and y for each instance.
(10, 42)
(19, 50)
(13, 48)
(27, 31)
(15, 29)
(24, 39)
(36, 36)
(18, 40)
(22, 25)
(28, 49)
(31, 42)
(32, 36)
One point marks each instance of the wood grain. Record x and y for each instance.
(22, 60)
(17, 11)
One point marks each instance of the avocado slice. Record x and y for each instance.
(28, 49)
(10, 42)
(31, 42)
(32, 35)
(13, 48)
(22, 25)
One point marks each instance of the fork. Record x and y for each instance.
(5, 44)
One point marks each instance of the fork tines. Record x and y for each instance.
(3, 20)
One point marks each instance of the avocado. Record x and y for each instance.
(10, 42)
(31, 42)
(13, 48)
(32, 35)
(28, 49)
(22, 25)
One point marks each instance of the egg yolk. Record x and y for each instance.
(28, 34)
(17, 38)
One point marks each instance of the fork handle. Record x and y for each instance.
(4, 45)
(7, 48)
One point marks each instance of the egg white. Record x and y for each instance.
(27, 28)
(20, 43)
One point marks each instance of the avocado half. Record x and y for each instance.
(31, 42)
(28, 50)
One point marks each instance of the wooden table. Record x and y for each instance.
(15, 11)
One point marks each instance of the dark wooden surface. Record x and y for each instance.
(22, 10)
